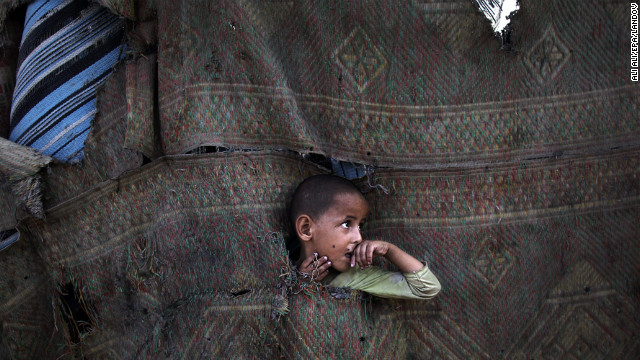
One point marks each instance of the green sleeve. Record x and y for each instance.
(421, 284)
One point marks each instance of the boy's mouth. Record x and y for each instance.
(348, 255)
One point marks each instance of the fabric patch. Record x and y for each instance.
(67, 50)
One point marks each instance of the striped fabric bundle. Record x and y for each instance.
(67, 50)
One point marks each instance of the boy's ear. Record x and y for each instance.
(303, 227)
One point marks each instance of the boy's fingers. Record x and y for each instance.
(370, 250)
(362, 255)
(307, 261)
(354, 255)
(323, 272)
(325, 267)
(321, 262)
(320, 269)
(317, 269)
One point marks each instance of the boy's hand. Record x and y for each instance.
(364, 253)
(315, 268)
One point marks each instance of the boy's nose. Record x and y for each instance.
(358, 237)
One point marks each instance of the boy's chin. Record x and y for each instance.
(341, 267)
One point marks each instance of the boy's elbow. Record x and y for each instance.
(436, 289)
(429, 291)
(424, 284)
(433, 291)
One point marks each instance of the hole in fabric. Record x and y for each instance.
(319, 159)
(348, 170)
(498, 12)
(74, 314)
(244, 56)
(241, 292)
(207, 150)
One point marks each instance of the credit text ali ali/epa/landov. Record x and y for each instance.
(634, 41)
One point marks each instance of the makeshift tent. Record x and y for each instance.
(514, 174)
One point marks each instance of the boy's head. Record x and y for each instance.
(326, 213)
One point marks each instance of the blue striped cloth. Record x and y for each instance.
(8, 237)
(67, 50)
(348, 170)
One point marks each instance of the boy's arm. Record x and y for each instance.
(419, 282)
(368, 249)
(414, 281)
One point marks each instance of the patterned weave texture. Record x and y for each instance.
(516, 175)
(376, 82)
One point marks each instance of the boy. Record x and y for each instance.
(326, 213)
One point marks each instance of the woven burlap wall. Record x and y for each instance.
(515, 174)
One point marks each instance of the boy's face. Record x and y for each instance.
(337, 232)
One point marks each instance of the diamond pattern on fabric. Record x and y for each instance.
(360, 58)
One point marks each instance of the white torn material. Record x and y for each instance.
(497, 12)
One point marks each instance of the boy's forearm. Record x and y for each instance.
(403, 261)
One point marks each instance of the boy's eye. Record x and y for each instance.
(345, 224)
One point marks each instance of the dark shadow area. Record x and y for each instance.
(73, 308)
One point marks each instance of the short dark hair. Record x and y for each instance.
(316, 194)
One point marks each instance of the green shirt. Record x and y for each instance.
(421, 284)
